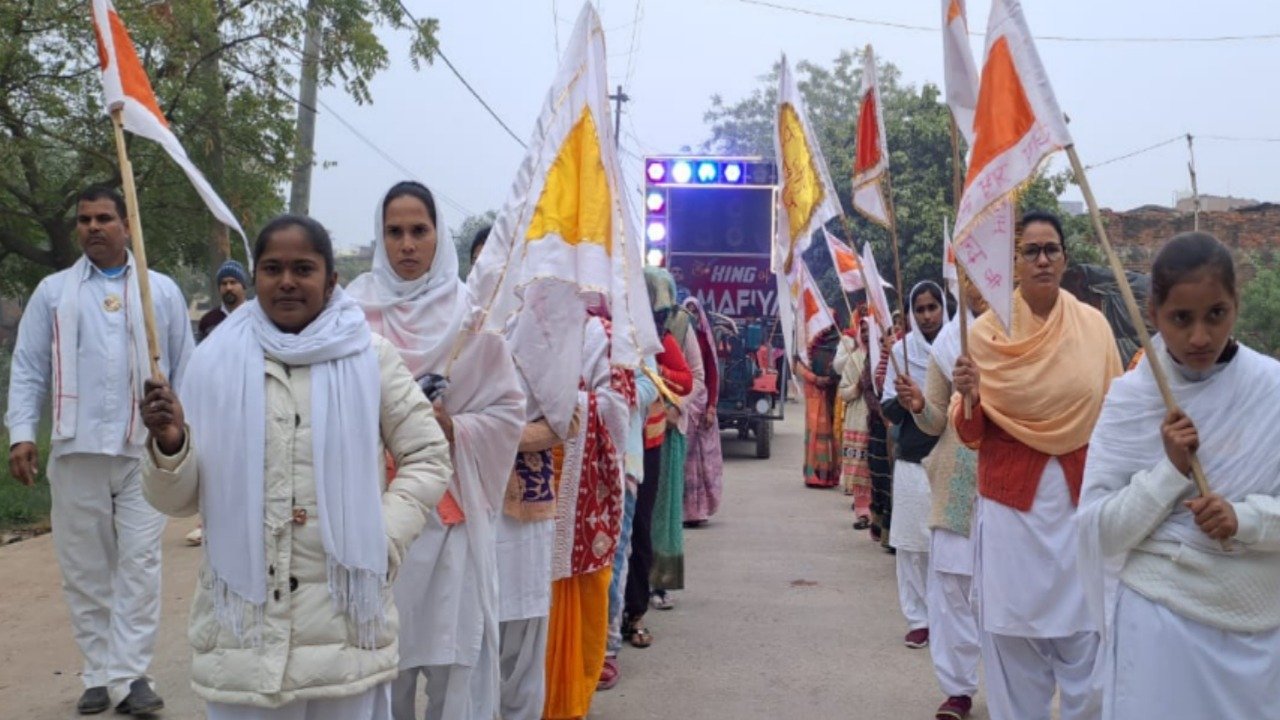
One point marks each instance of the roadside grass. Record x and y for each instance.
(22, 507)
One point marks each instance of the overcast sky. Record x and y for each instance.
(1120, 96)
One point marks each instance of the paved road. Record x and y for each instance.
(788, 614)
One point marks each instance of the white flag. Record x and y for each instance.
(959, 70)
(871, 151)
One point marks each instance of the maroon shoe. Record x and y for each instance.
(957, 707)
(917, 639)
(609, 674)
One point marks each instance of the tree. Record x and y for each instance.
(466, 233)
(1259, 323)
(221, 70)
(917, 126)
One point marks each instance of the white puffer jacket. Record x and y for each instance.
(309, 649)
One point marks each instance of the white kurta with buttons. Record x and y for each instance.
(309, 648)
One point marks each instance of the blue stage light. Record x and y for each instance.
(707, 172)
(732, 172)
(682, 172)
(656, 232)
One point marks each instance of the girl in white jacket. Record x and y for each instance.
(278, 442)
(1193, 628)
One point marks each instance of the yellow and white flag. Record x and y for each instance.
(1017, 125)
(125, 85)
(564, 233)
(806, 197)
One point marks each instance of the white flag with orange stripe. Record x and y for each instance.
(815, 314)
(125, 86)
(1017, 125)
(848, 266)
(959, 70)
(565, 233)
(871, 153)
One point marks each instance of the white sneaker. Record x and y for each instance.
(195, 538)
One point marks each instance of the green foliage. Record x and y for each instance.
(22, 506)
(1259, 323)
(222, 71)
(917, 126)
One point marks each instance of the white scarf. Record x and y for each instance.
(914, 350)
(946, 345)
(66, 345)
(421, 317)
(224, 397)
(1238, 419)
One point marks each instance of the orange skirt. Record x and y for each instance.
(576, 637)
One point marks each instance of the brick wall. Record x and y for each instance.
(1252, 234)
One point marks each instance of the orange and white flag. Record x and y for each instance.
(817, 317)
(871, 154)
(959, 70)
(1017, 126)
(848, 265)
(876, 299)
(806, 196)
(125, 86)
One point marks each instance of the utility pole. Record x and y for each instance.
(618, 98)
(1195, 192)
(300, 187)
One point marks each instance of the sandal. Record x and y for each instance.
(609, 674)
(661, 601)
(862, 523)
(639, 636)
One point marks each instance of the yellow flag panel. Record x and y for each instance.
(575, 202)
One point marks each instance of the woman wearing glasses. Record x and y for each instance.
(1036, 393)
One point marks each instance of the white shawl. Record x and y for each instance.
(914, 349)
(66, 345)
(1237, 416)
(224, 396)
(420, 317)
(946, 345)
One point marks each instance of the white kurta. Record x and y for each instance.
(911, 505)
(1214, 674)
(524, 568)
(1028, 583)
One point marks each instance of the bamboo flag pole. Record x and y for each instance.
(139, 247)
(1131, 304)
(957, 185)
(866, 286)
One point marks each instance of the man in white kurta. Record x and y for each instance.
(81, 341)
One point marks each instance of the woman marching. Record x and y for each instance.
(704, 463)
(1194, 628)
(278, 443)
(855, 470)
(819, 380)
(910, 534)
(1035, 396)
(447, 591)
(953, 486)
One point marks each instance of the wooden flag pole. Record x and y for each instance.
(897, 265)
(957, 189)
(1131, 303)
(139, 247)
(866, 288)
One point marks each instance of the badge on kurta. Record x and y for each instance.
(112, 303)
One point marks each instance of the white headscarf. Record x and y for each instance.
(224, 397)
(422, 317)
(914, 349)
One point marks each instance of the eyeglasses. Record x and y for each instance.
(1031, 253)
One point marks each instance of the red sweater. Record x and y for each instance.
(1009, 471)
(675, 372)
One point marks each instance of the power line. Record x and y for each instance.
(1047, 38)
(464, 82)
(635, 38)
(1135, 153)
(1226, 138)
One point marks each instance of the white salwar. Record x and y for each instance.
(447, 588)
(953, 627)
(1036, 627)
(909, 536)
